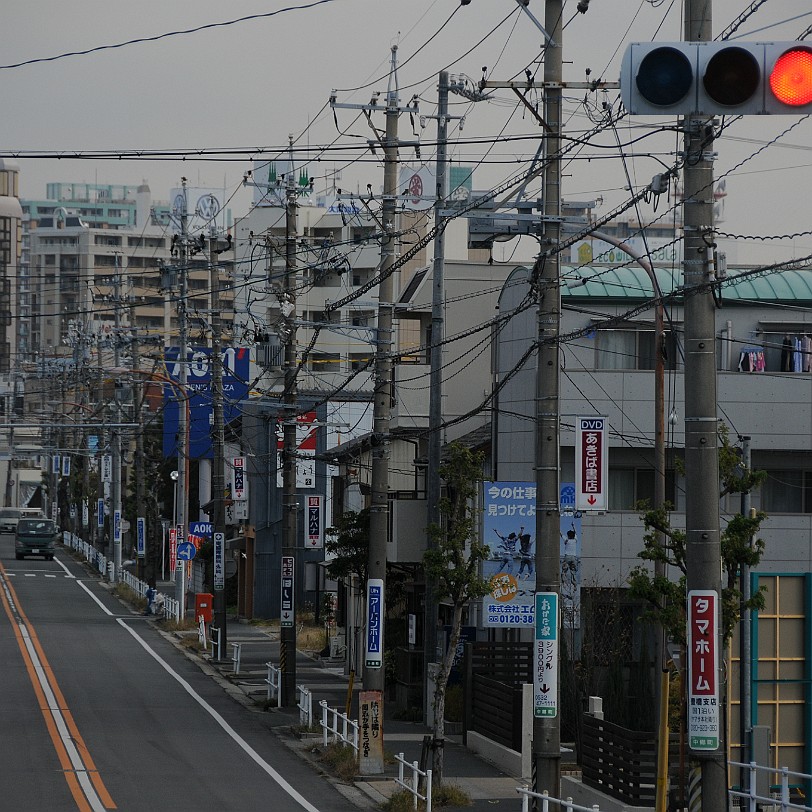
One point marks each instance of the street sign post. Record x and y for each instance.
(545, 666)
(703, 668)
(288, 586)
(186, 551)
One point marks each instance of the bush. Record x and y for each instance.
(341, 761)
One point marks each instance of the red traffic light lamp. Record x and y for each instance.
(717, 78)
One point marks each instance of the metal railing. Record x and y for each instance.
(567, 805)
(273, 680)
(214, 639)
(305, 705)
(784, 793)
(235, 657)
(413, 786)
(171, 607)
(349, 729)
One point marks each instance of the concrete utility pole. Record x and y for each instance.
(182, 507)
(746, 640)
(703, 550)
(290, 502)
(547, 729)
(382, 406)
(433, 484)
(116, 437)
(217, 513)
(140, 485)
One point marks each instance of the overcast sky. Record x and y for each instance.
(250, 84)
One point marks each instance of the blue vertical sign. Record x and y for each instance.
(141, 536)
(374, 652)
(100, 513)
(545, 650)
(117, 527)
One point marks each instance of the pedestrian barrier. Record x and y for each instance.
(237, 648)
(784, 789)
(413, 786)
(171, 607)
(546, 799)
(201, 632)
(273, 678)
(349, 729)
(214, 636)
(305, 705)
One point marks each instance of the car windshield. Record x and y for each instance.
(35, 527)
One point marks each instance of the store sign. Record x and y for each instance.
(374, 648)
(314, 523)
(703, 667)
(591, 459)
(545, 650)
(286, 615)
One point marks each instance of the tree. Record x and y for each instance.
(739, 547)
(453, 563)
(348, 544)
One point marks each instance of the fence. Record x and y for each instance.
(785, 791)
(171, 607)
(494, 674)
(529, 796)
(413, 786)
(305, 705)
(349, 729)
(273, 680)
(237, 651)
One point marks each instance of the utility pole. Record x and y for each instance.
(547, 729)
(116, 436)
(703, 545)
(182, 508)
(140, 485)
(290, 504)
(217, 514)
(746, 639)
(433, 485)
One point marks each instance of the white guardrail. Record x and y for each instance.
(305, 705)
(163, 604)
(778, 800)
(274, 683)
(413, 785)
(349, 729)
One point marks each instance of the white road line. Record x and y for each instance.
(68, 573)
(56, 714)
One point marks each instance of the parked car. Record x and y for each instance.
(35, 537)
(8, 519)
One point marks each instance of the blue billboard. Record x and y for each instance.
(198, 386)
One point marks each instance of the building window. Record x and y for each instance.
(629, 486)
(630, 349)
(787, 491)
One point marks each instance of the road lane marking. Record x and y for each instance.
(82, 777)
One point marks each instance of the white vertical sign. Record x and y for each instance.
(314, 523)
(107, 468)
(219, 560)
(591, 460)
(239, 484)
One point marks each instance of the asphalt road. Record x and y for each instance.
(99, 711)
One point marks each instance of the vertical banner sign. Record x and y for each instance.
(107, 468)
(141, 536)
(55, 464)
(85, 514)
(374, 652)
(306, 440)
(116, 527)
(314, 530)
(219, 560)
(100, 513)
(703, 666)
(591, 481)
(545, 665)
(238, 479)
(65, 465)
(173, 548)
(370, 733)
(286, 615)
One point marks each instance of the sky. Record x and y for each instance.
(247, 86)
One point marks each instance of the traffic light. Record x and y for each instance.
(717, 78)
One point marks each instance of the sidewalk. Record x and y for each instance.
(485, 784)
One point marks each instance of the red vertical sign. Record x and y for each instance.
(703, 666)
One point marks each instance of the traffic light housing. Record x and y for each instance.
(717, 78)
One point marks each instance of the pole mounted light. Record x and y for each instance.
(717, 78)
